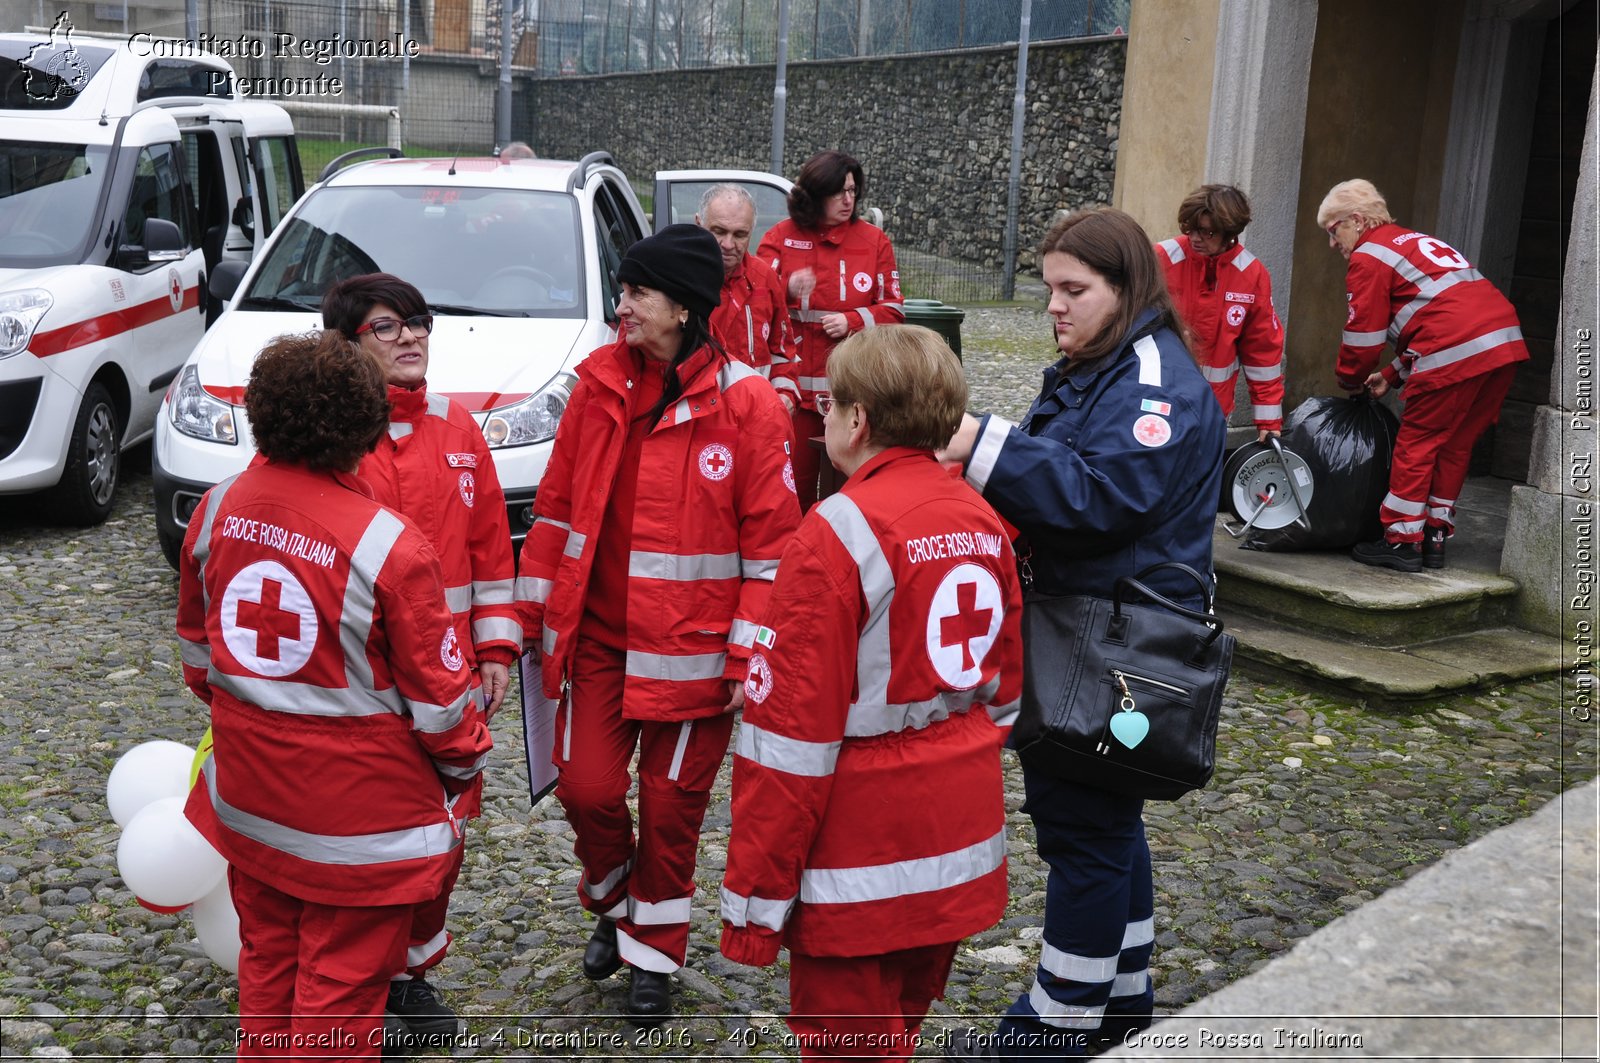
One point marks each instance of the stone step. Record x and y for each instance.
(1326, 593)
(1281, 652)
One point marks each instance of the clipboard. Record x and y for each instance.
(538, 730)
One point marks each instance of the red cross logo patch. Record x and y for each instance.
(268, 622)
(1151, 430)
(716, 461)
(788, 475)
(1235, 316)
(450, 651)
(862, 282)
(963, 622)
(175, 290)
(468, 488)
(758, 679)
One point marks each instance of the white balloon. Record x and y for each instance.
(163, 859)
(216, 926)
(146, 773)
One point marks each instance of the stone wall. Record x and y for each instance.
(933, 132)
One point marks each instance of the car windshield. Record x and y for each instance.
(48, 194)
(491, 251)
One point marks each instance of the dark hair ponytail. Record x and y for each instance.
(696, 334)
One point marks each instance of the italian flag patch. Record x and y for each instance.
(765, 636)
(1152, 406)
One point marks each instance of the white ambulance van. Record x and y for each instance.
(128, 171)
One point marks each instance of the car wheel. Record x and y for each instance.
(89, 482)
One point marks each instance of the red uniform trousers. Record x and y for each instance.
(807, 459)
(1433, 449)
(865, 1007)
(429, 940)
(313, 977)
(645, 885)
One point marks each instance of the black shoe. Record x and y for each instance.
(649, 997)
(970, 1045)
(1402, 557)
(396, 1039)
(601, 959)
(418, 1005)
(1433, 546)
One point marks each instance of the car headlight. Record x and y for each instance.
(198, 414)
(534, 419)
(19, 315)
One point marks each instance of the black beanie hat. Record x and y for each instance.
(682, 261)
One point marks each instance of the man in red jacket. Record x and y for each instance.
(868, 818)
(752, 320)
(1224, 295)
(1457, 343)
(313, 623)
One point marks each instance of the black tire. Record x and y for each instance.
(94, 457)
(171, 546)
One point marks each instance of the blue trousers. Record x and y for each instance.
(1093, 979)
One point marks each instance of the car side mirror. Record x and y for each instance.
(225, 278)
(163, 241)
(244, 216)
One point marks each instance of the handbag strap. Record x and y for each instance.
(1201, 582)
(1131, 583)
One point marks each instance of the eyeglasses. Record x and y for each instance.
(387, 329)
(847, 190)
(1204, 234)
(1333, 230)
(825, 404)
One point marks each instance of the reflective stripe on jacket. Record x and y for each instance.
(867, 797)
(715, 508)
(1233, 321)
(752, 324)
(856, 275)
(313, 623)
(1444, 319)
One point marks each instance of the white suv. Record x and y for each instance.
(517, 261)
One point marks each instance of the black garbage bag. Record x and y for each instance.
(1347, 442)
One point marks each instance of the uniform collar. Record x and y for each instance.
(1084, 377)
(408, 404)
(612, 367)
(739, 275)
(891, 456)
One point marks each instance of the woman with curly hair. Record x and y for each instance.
(313, 623)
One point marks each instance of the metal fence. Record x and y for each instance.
(614, 36)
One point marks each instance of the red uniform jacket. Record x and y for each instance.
(313, 623)
(856, 274)
(1226, 300)
(715, 507)
(1446, 322)
(752, 324)
(867, 792)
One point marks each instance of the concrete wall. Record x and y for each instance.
(932, 132)
(1162, 156)
(1550, 531)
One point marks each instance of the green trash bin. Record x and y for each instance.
(941, 317)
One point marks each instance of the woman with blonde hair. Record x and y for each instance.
(1456, 341)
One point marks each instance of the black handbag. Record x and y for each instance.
(1123, 695)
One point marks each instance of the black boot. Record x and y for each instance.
(418, 1005)
(1433, 546)
(649, 997)
(600, 959)
(1402, 557)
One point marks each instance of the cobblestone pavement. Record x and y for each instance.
(1318, 805)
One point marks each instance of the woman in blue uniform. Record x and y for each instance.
(1116, 466)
